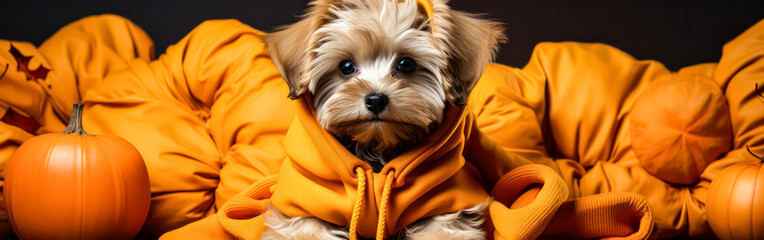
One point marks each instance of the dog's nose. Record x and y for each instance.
(376, 102)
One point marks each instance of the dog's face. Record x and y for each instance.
(376, 74)
(380, 72)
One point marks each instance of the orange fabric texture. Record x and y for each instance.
(210, 117)
(549, 216)
(629, 217)
(527, 222)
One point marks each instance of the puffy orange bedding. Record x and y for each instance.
(210, 118)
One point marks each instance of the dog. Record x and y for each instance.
(381, 73)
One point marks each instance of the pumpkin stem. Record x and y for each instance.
(75, 122)
(761, 159)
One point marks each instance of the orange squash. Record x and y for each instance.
(673, 139)
(735, 202)
(72, 185)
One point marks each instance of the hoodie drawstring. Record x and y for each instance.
(383, 211)
(361, 192)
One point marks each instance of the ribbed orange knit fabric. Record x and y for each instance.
(603, 216)
(240, 218)
(529, 221)
(607, 215)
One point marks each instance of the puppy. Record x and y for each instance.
(381, 73)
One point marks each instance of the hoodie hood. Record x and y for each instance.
(320, 177)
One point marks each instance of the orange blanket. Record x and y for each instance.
(210, 118)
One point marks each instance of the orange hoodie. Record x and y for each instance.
(430, 179)
(321, 178)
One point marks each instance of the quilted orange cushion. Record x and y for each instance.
(679, 125)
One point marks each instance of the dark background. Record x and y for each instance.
(677, 33)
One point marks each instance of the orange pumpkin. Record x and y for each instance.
(72, 185)
(673, 139)
(735, 202)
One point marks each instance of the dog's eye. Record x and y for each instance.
(406, 65)
(347, 68)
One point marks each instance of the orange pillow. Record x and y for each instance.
(679, 125)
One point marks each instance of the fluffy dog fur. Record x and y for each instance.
(450, 54)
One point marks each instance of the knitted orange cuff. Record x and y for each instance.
(609, 215)
(530, 220)
(242, 215)
(239, 218)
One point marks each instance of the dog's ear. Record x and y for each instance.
(290, 46)
(470, 44)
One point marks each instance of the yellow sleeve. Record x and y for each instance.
(208, 117)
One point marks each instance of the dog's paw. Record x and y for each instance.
(282, 227)
(462, 225)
